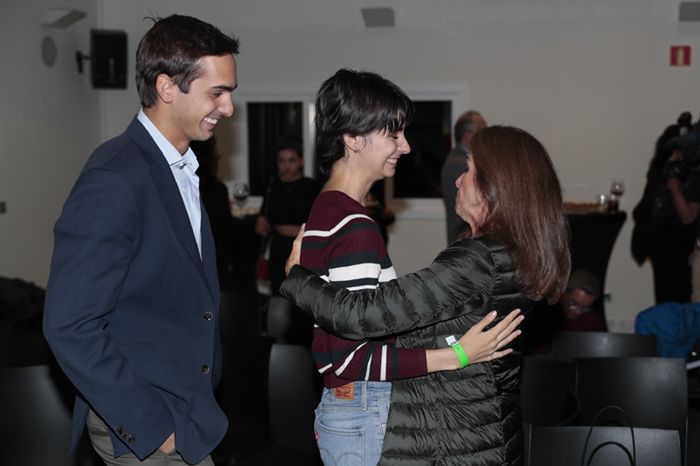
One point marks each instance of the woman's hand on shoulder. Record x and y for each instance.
(481, 346)
(295, 256)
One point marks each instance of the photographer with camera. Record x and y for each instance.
(659, 234)
(683, 173)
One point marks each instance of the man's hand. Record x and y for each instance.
(169, 445)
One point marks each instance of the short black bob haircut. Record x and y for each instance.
(356, 103)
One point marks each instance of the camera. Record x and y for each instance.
(688, 162)
(686, 166)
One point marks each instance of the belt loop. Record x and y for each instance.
(365, 395)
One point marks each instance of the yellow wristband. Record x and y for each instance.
(461, 355)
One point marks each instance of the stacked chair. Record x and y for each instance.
(37, 404)
(270, 386)
(604, 399)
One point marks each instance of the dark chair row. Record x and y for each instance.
(601, 446)
(651, 391)
(35, 418)
(270, 385)
(570, 345)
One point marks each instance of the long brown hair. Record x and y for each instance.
(524, 208)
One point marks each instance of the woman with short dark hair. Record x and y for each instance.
(360, 121)
(514, 252)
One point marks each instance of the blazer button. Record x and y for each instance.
(208, 316)
(130, 439)
(205, 369)
(118, 430)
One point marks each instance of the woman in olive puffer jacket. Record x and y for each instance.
(515, 252)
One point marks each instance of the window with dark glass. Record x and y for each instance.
(269, 125)
(430, 137)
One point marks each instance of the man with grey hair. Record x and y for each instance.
(466, 125)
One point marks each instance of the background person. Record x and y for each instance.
(285, 207)
(217, 204)
(466, 125)
(683, 174)
(132, 301)
(514, 252)
(582, 290)
(659, 233)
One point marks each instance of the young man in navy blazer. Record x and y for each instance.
(132, 302)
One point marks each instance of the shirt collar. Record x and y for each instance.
(172, 156)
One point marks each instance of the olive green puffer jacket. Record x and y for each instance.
(465, 417)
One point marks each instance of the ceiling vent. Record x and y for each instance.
(61, 18)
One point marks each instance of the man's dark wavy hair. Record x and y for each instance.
(173, 46)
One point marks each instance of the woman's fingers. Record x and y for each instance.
(500, 354)
(295, 256)
(486, 320)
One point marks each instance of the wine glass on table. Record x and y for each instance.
(240, 194)
(617, 189)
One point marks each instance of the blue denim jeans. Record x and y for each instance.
(350, 432)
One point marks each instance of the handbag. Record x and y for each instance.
(632, 457)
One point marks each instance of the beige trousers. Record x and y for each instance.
(101, 442)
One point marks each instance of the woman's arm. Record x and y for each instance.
(459, 277)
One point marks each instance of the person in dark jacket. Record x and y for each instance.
(515, 251)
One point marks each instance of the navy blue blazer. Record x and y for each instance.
(131, 309)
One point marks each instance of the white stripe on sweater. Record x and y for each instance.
(383, 370)
(334, 230)
(348, 360)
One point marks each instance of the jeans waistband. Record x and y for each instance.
(360, 394)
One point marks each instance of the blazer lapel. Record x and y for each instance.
(169, 194)
(209, 256)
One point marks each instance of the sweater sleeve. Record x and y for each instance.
(357, 261)
(458, 281)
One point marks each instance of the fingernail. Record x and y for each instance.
(492, 314)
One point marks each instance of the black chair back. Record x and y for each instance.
(607, 446)
(653, 392)
(288, 324)
(35, 418)
(547, 391)
(571, 345)
(18, 349)
(293, 396)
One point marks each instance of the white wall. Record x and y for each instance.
(49, 126)
(590, 78)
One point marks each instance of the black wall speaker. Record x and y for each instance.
(108, 59)
(689, 12)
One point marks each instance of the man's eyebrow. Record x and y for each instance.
(225, 88)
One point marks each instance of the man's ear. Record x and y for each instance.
(166, 88)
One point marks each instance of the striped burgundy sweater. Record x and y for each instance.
(343, 245)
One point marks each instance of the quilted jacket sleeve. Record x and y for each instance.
(459, 279)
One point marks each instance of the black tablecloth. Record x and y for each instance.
(593, 236)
